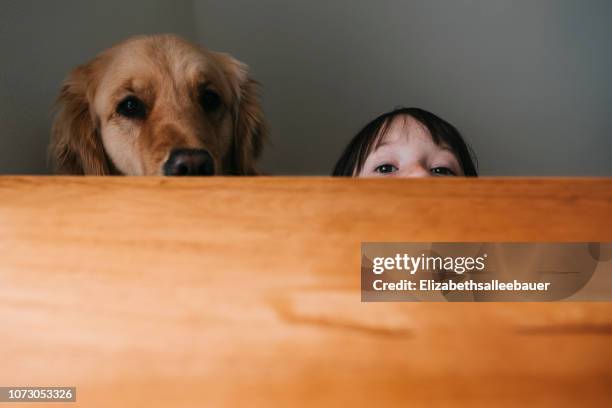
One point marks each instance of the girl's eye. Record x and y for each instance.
(442, 171)
(385, 168)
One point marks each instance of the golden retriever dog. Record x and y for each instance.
(158, 105)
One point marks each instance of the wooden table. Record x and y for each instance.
(158, 292)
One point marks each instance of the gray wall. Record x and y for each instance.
(527, 82)
(40, 41)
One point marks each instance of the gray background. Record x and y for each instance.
(527, 82)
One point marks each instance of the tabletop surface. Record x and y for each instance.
(157, 292)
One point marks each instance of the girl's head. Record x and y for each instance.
(407, 142)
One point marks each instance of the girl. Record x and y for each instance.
(407, 142)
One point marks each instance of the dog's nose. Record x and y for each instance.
(189, 162)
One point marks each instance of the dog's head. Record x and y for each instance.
(158, 105)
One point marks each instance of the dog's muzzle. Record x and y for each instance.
(189, 162)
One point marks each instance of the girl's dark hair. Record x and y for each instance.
(368, 139)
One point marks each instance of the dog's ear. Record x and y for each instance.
(250, 128)
(76, 147)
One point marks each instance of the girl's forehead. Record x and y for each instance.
(406, 130)
(403, 128)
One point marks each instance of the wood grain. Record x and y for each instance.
(156, 292)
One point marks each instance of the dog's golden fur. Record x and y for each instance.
(166, 73)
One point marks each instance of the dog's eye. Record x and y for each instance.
(210, 100)
(132, 107)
